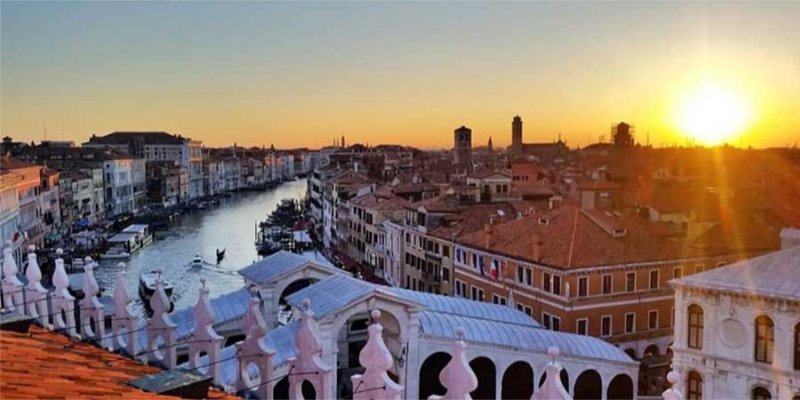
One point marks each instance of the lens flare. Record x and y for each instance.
(714, 114)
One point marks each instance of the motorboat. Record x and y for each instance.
(197, 261)
(115, 253)
(147, 285)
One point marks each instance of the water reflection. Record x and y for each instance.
(230, 226)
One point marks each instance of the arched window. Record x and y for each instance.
(694, 386)
(761, 393)
(765, 339)
(695, 333)
(797, 347)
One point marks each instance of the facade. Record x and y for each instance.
(737, 329)
(488, 186)
(367, 237)
(164, 180)
(49, 203)
(9, 213)
(542, 151)
(31, 225)
(118, 182)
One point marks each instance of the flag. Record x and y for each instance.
(494, 270)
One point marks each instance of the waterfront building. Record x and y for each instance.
(31, 225)
(366, 239)
(10, 233)
(213, 176)
(737, 328)
(118, 182)
(50, 204)
(158, 146)
(167, 184)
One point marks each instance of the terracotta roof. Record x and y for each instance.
(441, 203)
(37, 365)
(382, 199)
(13, 163)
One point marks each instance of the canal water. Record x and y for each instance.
(229, 226)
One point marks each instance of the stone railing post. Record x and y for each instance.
(35, 293)
(253, 352)
(457, 376)
(161, 330)
(308, 365)
(12, 286)
(62, 302)
(123, 324)
(92, 311)
(204, 338)
(376, 360)
(552, 389)
(673, 393)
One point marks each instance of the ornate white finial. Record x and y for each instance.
(673, 393)
(253, 290)
(59, 252)
(203, 282)
(376, 360)
(553, 351)
(121, 265)
(306, 304)
(672, 377)
(460, 333)
(87, 260)
(375, 315)
(31, 248)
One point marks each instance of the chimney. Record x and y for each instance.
(536, 246)
(488, 232)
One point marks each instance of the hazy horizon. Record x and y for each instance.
(302, 74)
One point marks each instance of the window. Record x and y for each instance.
(556, 285)
(677, 272)
(695, 333)
(605, 325)
(498, 299)
(630, 282)
(765, 339)
(546, 320)
(446, 251)
(520, 275)
(694, 386)
(461, 289)
(529, 311)
(529, 277)
(630, 322)
(797, 347)
(546, 282)
(445, 275)
(761, 393)
(583, 287)
(698, 268)
(556, 323)
(654, 279)
(607, 284)
(652, 319)
(477, 294)
(583, 326)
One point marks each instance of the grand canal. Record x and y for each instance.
(230, 226)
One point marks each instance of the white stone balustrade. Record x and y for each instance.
(63, 304)
(673, 393)
(12, 286)
(252, 355)
(123, 323)
(161, 330)
(92, 315)
(35, 293)
(552, 389)
(204, 339)
(457, 376)
(308, 365)
(376, 360)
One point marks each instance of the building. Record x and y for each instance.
(488, 186)
(622, 135)
(50, 204)
(542, 151)
(367, 238)
(737, 328)
(9, 213)
(31, 224)
(462, 148)
(158, 146)
(167, 184)
(118, 182)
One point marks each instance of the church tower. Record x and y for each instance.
(516, 136)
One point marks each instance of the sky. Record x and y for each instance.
(300, 74)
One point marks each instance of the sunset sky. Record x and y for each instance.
(302, 74)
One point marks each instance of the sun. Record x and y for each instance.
(714, 114)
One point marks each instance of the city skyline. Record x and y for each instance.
(298, 75)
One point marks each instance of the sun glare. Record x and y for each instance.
(714, 114)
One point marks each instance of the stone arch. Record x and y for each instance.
(694, 385)
(588, 386)
(281, 389)
(759, 392)
(563, 375)
(429, 371)
(517, 381)
(620, 388)
(351, 336)
(651, 350)
(486, 372)
(307, 391)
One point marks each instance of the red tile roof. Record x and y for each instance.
(36, 365)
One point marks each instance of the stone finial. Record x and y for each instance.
(376, 360)
(309, 358)
(161, 327)
(204, 338)
(125, 319)
(457, 376)
(511, 302)
(62, 301)
(92, 311)
(252, 351)
(552, 389)
(35, 293)
(10, 269)
(673, 393)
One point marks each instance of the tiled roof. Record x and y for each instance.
(13, 163)
(276, 265)
(37, 365)
(226, 307)
(769, 275)
(380, 200)
(148, 137)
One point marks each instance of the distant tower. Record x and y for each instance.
(622, 135)
(343, 146)
(489, 146)
(516, 136)
(462, 146)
